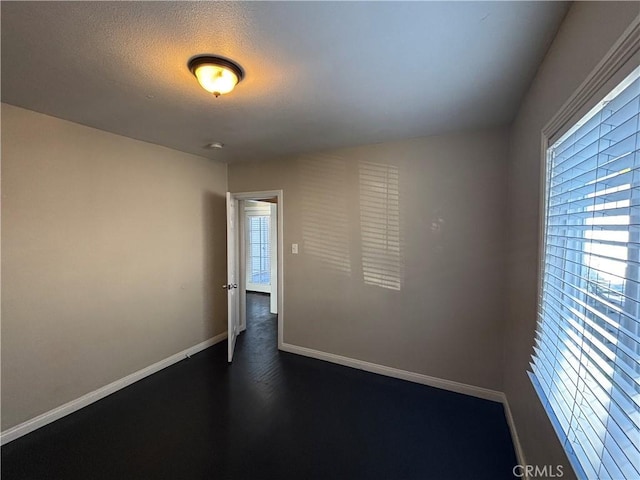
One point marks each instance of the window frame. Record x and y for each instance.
(616, 65)
(254, 210)
(251, 285)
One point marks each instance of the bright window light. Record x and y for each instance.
(586, 361)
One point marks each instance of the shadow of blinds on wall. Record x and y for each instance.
(380, 225)
(325, 225)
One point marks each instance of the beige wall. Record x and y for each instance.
(111, 253)
(439, 308)
(588, 32)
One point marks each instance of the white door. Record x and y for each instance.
(233, 321)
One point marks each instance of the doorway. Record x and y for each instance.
(259, 246)
(254, 260)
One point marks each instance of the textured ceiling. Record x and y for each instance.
(318, 75)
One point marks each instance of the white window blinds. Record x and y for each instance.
(586, 361)
(259, 250)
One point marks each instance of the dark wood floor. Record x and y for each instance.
(269, 415)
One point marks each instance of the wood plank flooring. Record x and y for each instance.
(269, 415)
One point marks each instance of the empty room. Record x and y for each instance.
(320, 240)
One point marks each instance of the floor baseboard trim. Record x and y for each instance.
(63, 410)
(450, 385)
(514, 433)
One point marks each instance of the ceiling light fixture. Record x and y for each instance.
(216, 75)
(214, 145)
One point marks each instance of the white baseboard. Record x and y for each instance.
(450, 385)
(91, 397)
(514, 434)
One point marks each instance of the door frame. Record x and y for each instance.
(263, 195)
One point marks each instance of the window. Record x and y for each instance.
(259, 251)
(586, 361)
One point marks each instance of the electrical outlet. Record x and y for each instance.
(294, 248)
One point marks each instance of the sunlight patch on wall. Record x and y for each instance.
(325, 225)
(380, 225)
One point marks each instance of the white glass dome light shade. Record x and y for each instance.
(216, 75)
